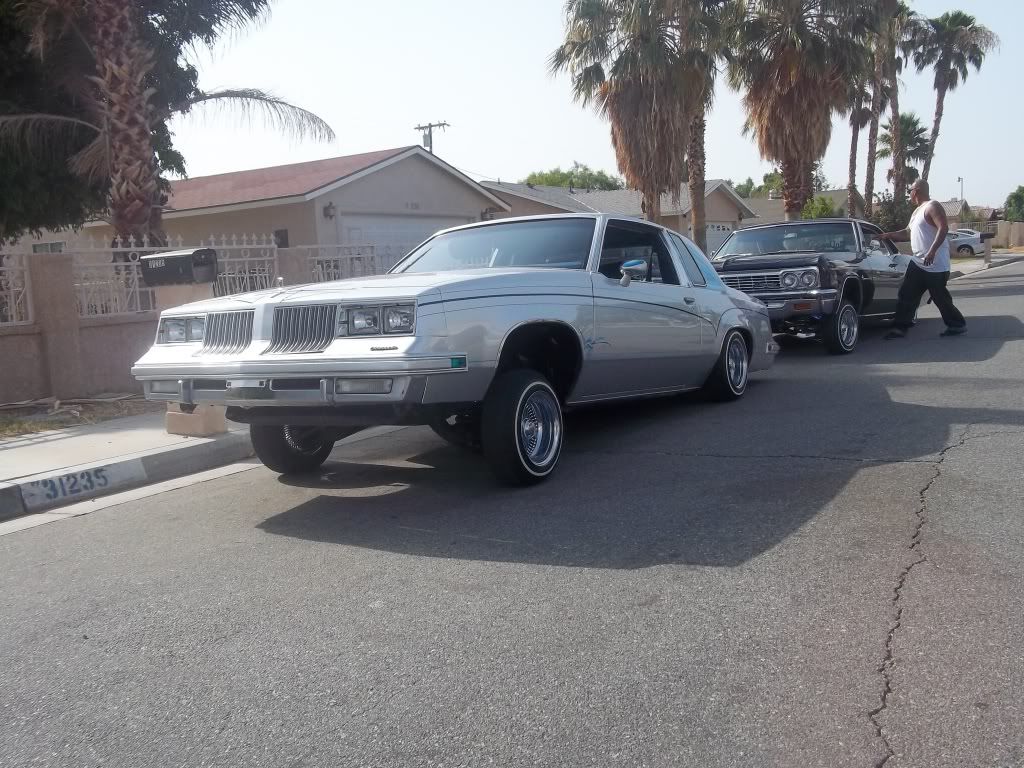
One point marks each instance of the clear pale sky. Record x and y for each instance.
(374, 70)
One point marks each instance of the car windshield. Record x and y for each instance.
(544, 243)
(789, 238)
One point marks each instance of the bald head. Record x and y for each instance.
(919, 192)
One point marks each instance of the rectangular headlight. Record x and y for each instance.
(177, 330)
(400, 319)
(363, 322)
(196, 328)
(172, 330)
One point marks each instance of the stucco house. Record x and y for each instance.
(724, 209)
(392, 199)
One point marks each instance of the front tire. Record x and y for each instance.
(290, 450)
(728, 379)
(522, 428)
(842, 329)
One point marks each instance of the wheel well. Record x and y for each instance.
(853, 291)
(552, 349)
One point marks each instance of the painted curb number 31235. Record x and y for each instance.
(73, 484)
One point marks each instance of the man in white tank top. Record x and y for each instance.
(929, 270)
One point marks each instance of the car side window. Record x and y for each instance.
(625, 241)
(689, 263)
(869, 236)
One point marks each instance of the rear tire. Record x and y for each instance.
(842, 329)
(965, 251)
(290, 450)
(728, 379)
(460, 429)
(522, 428)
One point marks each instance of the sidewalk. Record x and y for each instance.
(964, 267)
(48, 469)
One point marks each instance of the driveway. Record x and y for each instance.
(828, 573)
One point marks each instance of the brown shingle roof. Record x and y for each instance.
(270, 183)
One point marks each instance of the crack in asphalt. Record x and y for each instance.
(914, 547)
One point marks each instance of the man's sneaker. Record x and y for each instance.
(895, 333)
(954, 331)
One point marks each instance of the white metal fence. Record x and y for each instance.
(111, 289)
(15, 300)
(244, 262)
(337, 262)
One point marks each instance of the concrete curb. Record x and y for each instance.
(1011, 259)
(69, 485)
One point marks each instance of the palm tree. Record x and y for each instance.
(900, 29)
(859, 98)
(949, 44)
(624, 57)
(912, 137)
(795, 58)
(109, 74)
(703, 36)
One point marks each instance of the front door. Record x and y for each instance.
(647, 333)
(886, 265)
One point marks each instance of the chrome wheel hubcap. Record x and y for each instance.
(305, 440)
(736, 363)
(540, 428)
(849, 326)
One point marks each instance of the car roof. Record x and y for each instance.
(804, 222)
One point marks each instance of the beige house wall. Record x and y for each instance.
(522, 207)
(412, 187)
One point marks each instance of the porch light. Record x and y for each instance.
(330, 211)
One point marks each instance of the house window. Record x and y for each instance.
(281, 238)
(48, 247)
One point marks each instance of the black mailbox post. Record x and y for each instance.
(194, 265)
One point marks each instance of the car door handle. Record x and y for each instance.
(689, 299)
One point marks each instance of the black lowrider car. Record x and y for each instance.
(818, 278)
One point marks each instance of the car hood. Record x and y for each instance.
(417, 286)
(769, 261)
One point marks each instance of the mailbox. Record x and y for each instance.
(194, 265)
(987, 236)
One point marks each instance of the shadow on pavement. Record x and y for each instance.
(657, 482)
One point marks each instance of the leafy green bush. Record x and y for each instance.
(890, 215)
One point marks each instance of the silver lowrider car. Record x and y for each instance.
(484, 332)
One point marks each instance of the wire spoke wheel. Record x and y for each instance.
(736, 363)
(540, 428)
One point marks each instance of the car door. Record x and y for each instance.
(647, 332)
(886, 266)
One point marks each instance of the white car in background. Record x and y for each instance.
(965, 242)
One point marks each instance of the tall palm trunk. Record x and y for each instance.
(695, 164)
(851, 201)
(795, 188)
(899, 184)
(122, 63)
(940, 103)
(876, 116)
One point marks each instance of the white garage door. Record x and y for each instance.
(717, 233)
(393, 236)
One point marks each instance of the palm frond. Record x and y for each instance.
(276, 112)
(36, 131)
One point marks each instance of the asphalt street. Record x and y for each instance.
(829, 572)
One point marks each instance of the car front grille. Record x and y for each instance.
(750, 283)
(227, 333)
(303, 329)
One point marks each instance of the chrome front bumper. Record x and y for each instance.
(258, 384)
(798, 304)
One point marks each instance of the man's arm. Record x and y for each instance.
(936, 215)
(902, 236)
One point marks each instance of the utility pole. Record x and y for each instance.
(961, 180)
(428, 134)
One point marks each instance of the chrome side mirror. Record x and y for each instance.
(635, 269)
